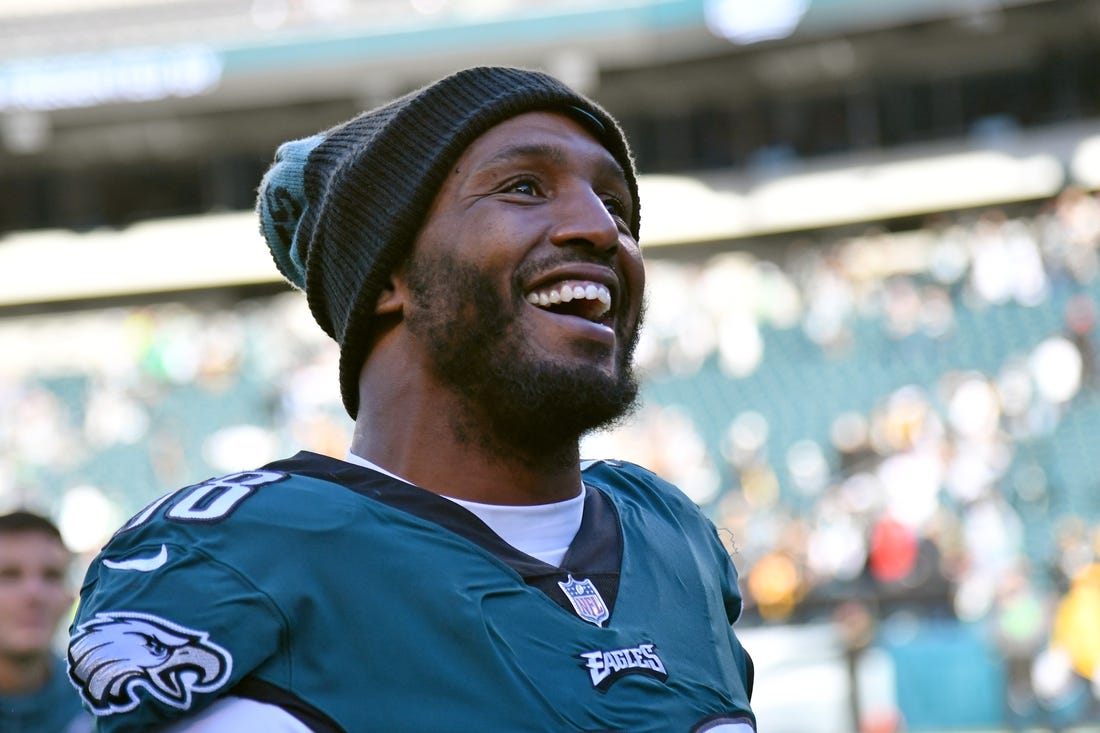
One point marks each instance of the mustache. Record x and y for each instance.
(529, 268)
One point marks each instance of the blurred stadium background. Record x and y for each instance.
(872, 231)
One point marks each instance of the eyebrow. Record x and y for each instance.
(608, 166)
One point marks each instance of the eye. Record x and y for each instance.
(155, 647)
(614, 206)
(618, 210)
(525, 186)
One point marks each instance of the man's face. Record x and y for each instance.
(526, 284)
(33, 592)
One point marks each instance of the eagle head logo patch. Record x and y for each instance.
(116, 653)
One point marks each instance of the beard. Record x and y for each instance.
(537, 408)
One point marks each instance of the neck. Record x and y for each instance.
(20, 675)
(432, 433)
(435, 440)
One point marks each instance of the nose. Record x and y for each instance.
(35, 588)
(582, 219)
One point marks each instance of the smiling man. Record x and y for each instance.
(473, 248)
(520, 305)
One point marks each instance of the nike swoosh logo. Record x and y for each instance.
(141, 564)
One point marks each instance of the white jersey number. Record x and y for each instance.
(210, 501)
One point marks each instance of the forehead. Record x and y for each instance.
(31, 547)
(554, 132)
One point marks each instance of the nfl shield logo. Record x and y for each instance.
(586, 600)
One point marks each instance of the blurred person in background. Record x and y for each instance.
(1076, 628)
(1021, 627)
(473, 248)
(35, 693)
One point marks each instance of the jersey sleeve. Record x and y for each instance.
(167, 623)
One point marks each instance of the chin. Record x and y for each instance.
(563, 401)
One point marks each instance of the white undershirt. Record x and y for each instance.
(544, 531)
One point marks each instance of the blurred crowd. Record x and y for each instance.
(879, 423)
(965, 488)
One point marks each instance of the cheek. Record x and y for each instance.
(60, 597)
(633, 269)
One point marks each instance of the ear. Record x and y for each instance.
(391, 300)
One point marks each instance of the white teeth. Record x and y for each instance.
(570, 292)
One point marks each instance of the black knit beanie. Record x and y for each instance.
(340, 209)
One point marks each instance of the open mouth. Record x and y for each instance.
(579, 298)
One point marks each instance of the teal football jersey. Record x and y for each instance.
(54, 708)
(357, 602)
